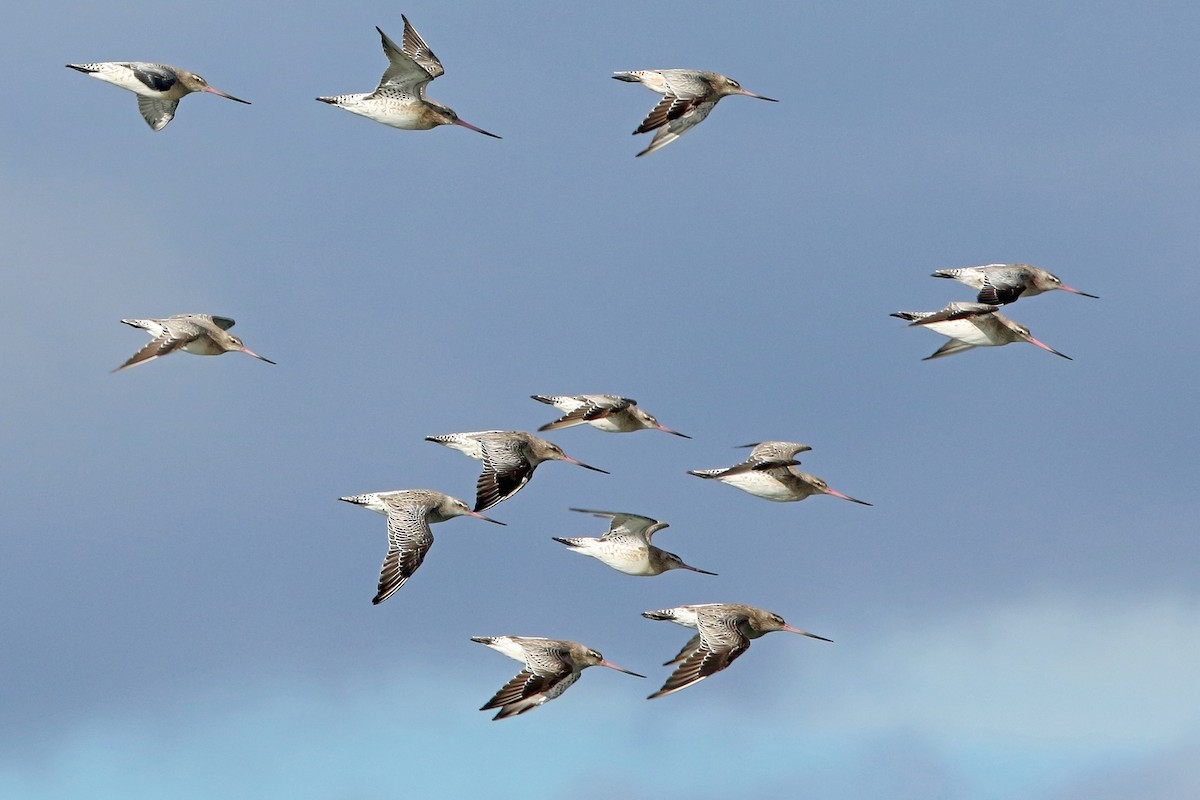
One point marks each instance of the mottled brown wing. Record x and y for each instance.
(409, 539)
(158, 346)
(402, 72)
(525, 685)
(416, 49)
(501, 479)
(668, 108)
(698, 665)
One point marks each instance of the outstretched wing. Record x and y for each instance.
(589, 408)
(156, 111)
(505, 471)
(409, 539)
(404, 71)
(720, 644)
(690, 114)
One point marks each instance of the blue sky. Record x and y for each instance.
(189, 606)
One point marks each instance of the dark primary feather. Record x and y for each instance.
(699, 664)
(495, 485)
(159, 80)
(999, 294)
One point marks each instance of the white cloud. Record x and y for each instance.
(1042, 698)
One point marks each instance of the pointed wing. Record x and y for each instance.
(157, 112)
(416, 49)
(505, 471)
(627, 526)
(589, 408)
(720, 644)
(224, 323)
(409, 539)
(411, 67)
(169, 338)
(670, 107)
(698, 665)
(672, 128)
(527, 690)
(775, 453)
(950, 348)
(957, 311)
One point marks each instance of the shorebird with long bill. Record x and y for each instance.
(551, 666)
(626, 545)
(998, 284)
(770, 473)
(409, 514)
(509, 459)
(972, 325)
(199, 334)
(159, 87)
(605, 412)
(399, 100)
(724, 631)
(688, 97)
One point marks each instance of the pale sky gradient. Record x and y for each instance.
(188, 605)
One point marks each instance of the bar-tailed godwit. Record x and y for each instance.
(409, 514)
(688, 96)
(770, 473)
(399, 100)
(626, 546)
(551, 666)
(509, 459)
(201, 334)
(972, 325)
(606, 412)
(998, 284)
(724, 633)
(159, 87)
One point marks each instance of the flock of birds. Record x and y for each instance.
(399, 100)
(980, 324)
(509, 458)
